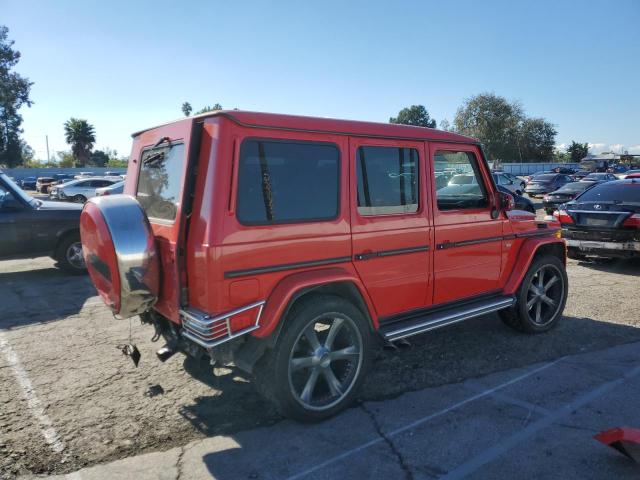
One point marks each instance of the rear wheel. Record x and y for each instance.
(320, 360)
(541, 297)
(79, 199)
(70, 256)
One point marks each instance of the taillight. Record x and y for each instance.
(106, 192)
(563, 216)
(633, 221)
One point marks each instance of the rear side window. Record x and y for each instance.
(466, 188)
(159, 181)
(287, 182)
(387, 180)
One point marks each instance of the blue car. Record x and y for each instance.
(28, 183)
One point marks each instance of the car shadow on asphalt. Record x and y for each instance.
(626, 266)
(450, 355)
(39, 296)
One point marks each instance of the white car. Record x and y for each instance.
(80, 190)
(114, 189)
(84, 175)
(510, 182)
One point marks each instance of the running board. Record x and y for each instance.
(444, 317)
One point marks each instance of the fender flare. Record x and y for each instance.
(292, 286)
(528, 250)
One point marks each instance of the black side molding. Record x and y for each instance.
(388, 253)
(285, 266)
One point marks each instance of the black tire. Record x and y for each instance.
(519, 316)
(280, 379)
(66, 255)
(79, 199)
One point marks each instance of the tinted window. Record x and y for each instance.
(159, 180)
(612, 192)
(387, 180)
(281, 182)
(546, 177)
(574, 187)
(464, 190)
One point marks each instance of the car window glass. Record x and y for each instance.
(387, 180)
(160, 180)
(287, 182)
(464, 190)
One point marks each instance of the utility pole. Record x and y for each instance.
(46, 137)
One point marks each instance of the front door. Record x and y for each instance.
(468, 240)
(390, 227)
(15, 225)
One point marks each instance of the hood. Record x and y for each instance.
(48, 205)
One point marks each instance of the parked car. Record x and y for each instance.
(114, 189)
(564, 170)
(624, 175)
(599, 177)
(504, 180)
(80, 190)
(28, 183)
(546, 183)
(551, 201)
(521, 203)
(113, 174)
(604, 221)
(633, 175)
(43, 184)
(84, 175)
(32, 228)
(537, 174)
(580, 174)
(302, 240)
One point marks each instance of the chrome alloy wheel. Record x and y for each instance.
(545, 294)
(325, 362)
(74, 256)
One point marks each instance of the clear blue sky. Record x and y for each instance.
(127, 65)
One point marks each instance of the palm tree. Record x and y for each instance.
(81, 136)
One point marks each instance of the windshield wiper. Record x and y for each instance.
(154, 158)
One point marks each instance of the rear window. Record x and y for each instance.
(545, 177)
(387, 180)
(159, 181)
(621, 192)
(574, 187)
(287, 182)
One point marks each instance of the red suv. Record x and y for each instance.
(288, 245)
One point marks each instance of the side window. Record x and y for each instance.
(466, 188)
(287, 182)
(387, 180)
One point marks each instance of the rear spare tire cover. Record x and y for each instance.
(120, 253)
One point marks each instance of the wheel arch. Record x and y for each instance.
(62, 236)
(531, 249)
(297, 287)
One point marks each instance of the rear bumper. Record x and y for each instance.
(594, 246)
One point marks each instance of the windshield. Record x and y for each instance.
(17, 192)
(573, 187)
(618, 192)
(545, 177)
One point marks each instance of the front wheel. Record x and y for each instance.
(320, 360)
(79, 199)
(70, 256)
(541, 297)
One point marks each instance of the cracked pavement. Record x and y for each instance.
(103, 409)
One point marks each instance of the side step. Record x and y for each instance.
(444, 317)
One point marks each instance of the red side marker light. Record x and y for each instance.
(625, 440)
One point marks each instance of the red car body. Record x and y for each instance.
(390, 266)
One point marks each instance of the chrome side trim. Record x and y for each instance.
(459, 315)
(209, 332)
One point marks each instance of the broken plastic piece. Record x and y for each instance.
(625, 440)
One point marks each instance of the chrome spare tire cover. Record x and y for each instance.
(120, 253)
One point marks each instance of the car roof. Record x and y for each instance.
(326, 125)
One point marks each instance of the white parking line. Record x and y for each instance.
(35, 407)
(420, 421)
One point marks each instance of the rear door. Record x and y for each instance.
(156, 176)
(468, 241)
(390, 226)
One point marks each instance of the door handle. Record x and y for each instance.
(366, 255)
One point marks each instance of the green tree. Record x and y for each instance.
(66, 159)
(446, 125)
(577, 151)
(98, 159)
(187, 109)
(80, 134)
(494, 121)
(414, 115)
(14, 93)
(536, 140)
(216, 106)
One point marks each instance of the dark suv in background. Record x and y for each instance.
(32, 228)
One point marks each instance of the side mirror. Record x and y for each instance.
(506, 201)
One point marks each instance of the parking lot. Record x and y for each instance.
(70, 399)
